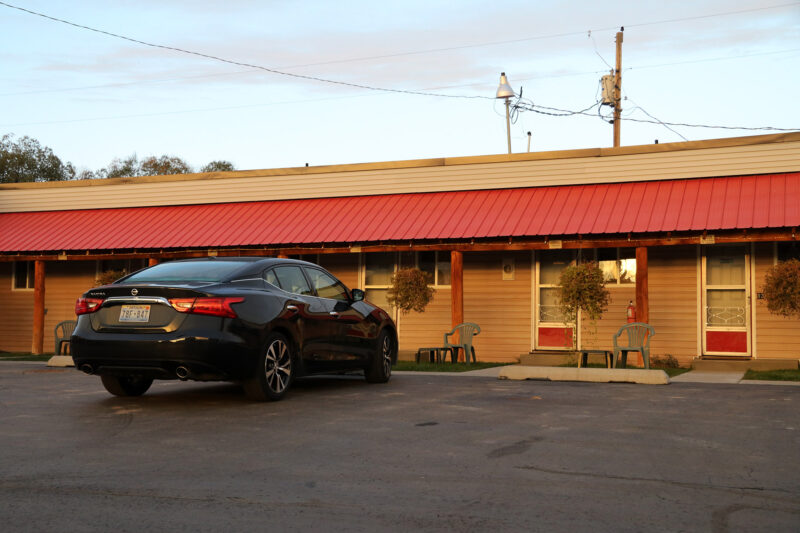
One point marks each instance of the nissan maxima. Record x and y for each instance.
(258, 321)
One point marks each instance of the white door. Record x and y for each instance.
(552, 331)
(726, 301)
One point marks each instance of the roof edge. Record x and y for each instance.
(422, 163)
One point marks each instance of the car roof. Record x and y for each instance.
(250, 265)
(243, 259)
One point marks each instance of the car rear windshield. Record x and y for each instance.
(210, 271)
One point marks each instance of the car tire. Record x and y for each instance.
(273, 373)
(126, 385)
(380, 367)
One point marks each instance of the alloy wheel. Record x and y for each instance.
(278, 366)
(386, 353)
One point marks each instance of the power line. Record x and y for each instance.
(384, 56)
(461, 86)
(643, 110)
(526, 106)
(128, 83)
(557, 112)
(596, 51)
(178, 112)
(707, 60)
(699, 17)
(766, 128)
(539, 37)
(240, 63)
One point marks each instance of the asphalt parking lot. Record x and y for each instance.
(422, 453)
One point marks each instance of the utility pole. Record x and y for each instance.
(618, 88)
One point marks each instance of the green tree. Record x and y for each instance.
(157, 166)
(218, 166)
(25, 160)
(150, 166)
(119, 168)
(582, 288)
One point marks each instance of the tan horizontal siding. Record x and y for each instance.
(16, 326)
(776, 337)
(647, 163)
(64, 283)
(426, 329)
(599, 336)
(672, 283)
(501, 308)
(343, 266)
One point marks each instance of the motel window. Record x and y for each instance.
(379, 267)
(436, 265)
(618, 265)
(787, 251)
(24, 272)
(378, 270)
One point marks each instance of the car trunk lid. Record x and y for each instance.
(144, 308)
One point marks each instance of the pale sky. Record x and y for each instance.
(92, 97)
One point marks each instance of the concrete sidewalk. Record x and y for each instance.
(693, 376)
(705, 376)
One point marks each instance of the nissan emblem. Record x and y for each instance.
(134, 292)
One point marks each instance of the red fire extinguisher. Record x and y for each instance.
(631, 312)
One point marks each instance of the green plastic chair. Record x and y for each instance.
(639, 335)
(62, 334)
(466, 331)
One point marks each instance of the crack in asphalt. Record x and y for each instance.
(683, 484)
(719, 518)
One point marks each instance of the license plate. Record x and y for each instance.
(134, 313)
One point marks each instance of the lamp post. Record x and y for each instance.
(505, 91)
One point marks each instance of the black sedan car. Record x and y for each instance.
(260, 321)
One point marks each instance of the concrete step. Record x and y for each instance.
(559, 358)
(543, 358)
(595, 375)
(722, 365)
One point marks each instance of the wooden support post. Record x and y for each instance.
(642, 298)
(457, 288)
(37, 346)
(618, 91)
(153, 261)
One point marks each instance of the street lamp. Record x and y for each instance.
(505, 91)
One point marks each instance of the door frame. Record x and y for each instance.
(536, 324)
(704, 327)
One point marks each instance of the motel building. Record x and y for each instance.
(685, 231)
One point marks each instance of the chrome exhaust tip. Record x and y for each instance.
(182, 372)
(87, 368)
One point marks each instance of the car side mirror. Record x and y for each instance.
(357, 295)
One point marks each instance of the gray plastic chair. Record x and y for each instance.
(639, 335)
(466, 331)
(62, 334)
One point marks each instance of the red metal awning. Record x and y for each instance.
(765, 201)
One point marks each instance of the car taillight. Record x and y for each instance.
(87, 305)
(182, 305)
(207, 305)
